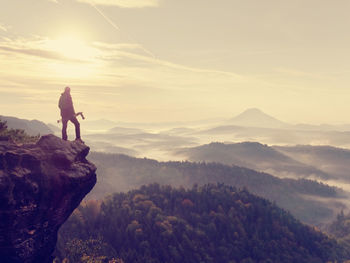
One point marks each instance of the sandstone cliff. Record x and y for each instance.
(40, 186)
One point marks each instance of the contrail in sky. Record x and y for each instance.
(105, 17)
(117, 28)
(152, 58)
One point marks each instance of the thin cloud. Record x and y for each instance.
(151, 58)
(118, 29)
(38, 53)
(128, 58)
(123, 3)
(119, 46)
(3, 28)
(113, 63)
(118, 51)
(34, 47)
(298, 73)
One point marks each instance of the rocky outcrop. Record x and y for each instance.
(40, 186)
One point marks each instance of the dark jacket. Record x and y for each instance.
(66, 105)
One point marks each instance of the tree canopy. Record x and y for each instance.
(15, 135)
(211, 223)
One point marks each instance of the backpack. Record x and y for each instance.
(62, 102)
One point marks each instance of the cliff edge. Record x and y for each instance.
(40, 186)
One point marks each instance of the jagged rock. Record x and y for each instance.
(40, 186)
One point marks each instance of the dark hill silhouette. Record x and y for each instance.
(309, 201)
(255, 156)
(334, 161)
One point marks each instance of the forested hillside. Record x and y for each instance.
(15, 135)
(309, 201)
(340, 228)
(213, 223)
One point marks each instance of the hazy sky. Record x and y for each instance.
(167, 60)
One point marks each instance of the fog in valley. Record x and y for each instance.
(253, 140)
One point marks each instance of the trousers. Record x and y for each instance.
(76, 123)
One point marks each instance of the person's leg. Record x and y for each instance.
(64, 129)
(77, 127)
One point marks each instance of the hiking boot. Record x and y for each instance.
(79, 140)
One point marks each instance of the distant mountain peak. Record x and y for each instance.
(254, 117)
(253, 111)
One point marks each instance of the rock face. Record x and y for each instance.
(40, 186)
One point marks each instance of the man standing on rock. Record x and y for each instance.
(68, 114)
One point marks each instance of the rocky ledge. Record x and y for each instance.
(40, 186)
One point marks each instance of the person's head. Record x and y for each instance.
(67, 90)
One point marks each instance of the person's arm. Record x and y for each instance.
(71, 104)
(60, 102)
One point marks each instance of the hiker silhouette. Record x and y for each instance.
(68, 114)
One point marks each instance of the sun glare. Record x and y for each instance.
(72, 48)
(80, 58)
